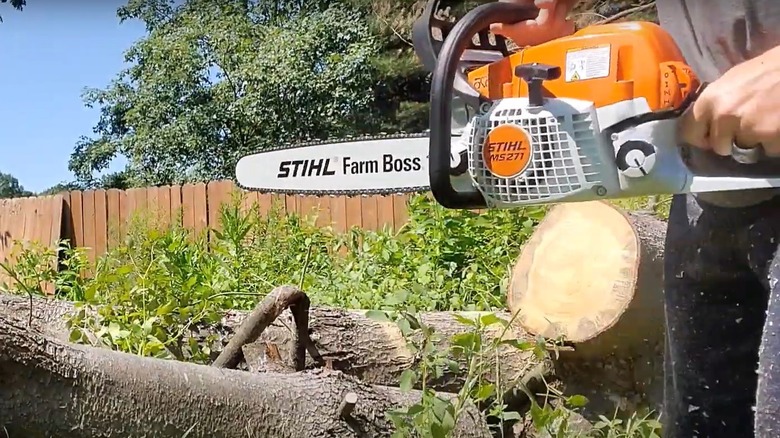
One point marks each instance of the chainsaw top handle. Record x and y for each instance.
(448, 79)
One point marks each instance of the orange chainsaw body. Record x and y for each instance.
(604, 64)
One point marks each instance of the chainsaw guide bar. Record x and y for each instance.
(363, 140)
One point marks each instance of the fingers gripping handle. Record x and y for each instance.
(448, 79)
(744, 155)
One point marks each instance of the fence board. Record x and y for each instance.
(113, 218)
(200, 208)
(29, 221)
(88, 214)
(188, 206)
(101, 222)
(354, 213)
(164, 211)
(176, 197)
(218, 194)
(77, 219)
(385, 214)
(152, 204)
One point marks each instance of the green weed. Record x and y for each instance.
(161, 283)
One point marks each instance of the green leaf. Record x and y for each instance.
(377, 315)
(437, 431)
(464, 340)
(465, 321)
(511, 416)
(75, 335)
(415, 409)
(114, 330)
(408, 380)
(166, 308)
(491, 319)
(577, 401)
(485, 391)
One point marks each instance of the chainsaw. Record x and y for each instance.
(589, 116)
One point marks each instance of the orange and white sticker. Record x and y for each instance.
(507, 151)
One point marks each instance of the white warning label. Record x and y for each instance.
(590, 63)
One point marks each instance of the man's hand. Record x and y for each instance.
(742, 106)
(551, 23)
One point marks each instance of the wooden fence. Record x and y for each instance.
(29, 220)
(98, 219)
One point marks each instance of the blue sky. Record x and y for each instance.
(49, 52)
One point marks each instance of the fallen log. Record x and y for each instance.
(345, 340)
(377, 351)
(591, 274)
(53, 389)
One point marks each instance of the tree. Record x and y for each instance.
(10, 187)
(61, 187)
(16, 4)
(215, 80)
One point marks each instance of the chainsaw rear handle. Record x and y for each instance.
(448, 79)
(743, 155)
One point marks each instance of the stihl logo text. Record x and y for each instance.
(506, 150)
(297, 168)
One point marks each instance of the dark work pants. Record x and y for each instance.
(723, 316)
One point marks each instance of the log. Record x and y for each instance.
(592, 274)
(344, 340)
(49, 388)
(377, 352)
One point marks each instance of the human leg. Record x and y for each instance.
(714, 307)
(767, 411)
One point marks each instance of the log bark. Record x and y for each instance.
(377, 351)
(592, 274)
(344, 340)
(49, 388)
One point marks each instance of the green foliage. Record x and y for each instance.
(216, 80)
(10, 187)
(161, 282)
(60, 188)
(155, 290)
(436, 415)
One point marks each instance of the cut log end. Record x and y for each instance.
(584, 268)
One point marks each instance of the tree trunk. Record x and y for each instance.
(49, 388)
(592, 274)
(345, 340)
(377, 352)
